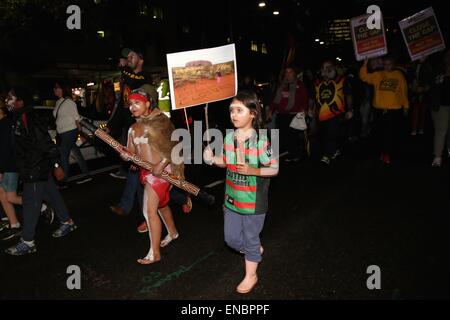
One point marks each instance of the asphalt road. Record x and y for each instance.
(325, 227)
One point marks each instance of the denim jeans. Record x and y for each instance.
(33, 195)
(68, 140)
(132, 189)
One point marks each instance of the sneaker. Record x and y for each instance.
(142, 228)
(4, 224)
(118, 175)
(325, 160)
(87, 179)
(20, 249)
(10, 233)
(413, 133)
(386, 158)
(336, 154)
(64, 229)
(437, 162)
(48, 214)
(118, 210)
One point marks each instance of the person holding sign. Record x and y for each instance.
(249, 163)
(390, 98)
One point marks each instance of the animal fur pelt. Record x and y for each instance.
(158, 130)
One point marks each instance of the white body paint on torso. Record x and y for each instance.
(141, 143)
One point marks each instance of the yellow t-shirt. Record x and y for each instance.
(391, 89)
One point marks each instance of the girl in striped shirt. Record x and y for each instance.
(249, 162)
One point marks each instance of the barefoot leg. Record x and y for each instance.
(151, 202)
(250, 279)
(8, 207)
(167, 218)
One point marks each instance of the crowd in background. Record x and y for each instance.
(317, 112)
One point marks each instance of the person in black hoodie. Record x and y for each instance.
(37, 160)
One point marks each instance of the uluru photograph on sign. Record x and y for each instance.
(202, 76)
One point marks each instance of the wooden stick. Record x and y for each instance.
(208, 138)
(187, 120)
(182, 184)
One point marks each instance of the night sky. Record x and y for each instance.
(34, 36)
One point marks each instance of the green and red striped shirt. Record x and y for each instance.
(247, 194)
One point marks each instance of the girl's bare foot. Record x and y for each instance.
(247, 284)
(149, 260)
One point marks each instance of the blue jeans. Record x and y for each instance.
(33, 195)
(133, 187)
(68, 140)
(242, 233)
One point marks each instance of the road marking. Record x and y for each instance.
(219, 182)
(94, 172)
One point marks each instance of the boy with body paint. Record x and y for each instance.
(149, 138)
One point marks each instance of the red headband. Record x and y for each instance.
(137, 96)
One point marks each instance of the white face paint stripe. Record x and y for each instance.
(164, 221)
(144, 209)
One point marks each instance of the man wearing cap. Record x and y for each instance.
(133, 77)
